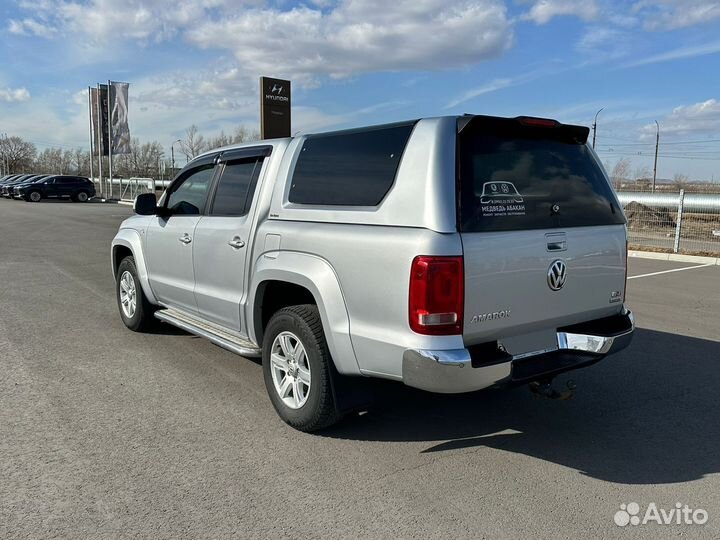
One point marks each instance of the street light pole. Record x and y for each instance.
(595, 126)
(172, 156)
(657, 145)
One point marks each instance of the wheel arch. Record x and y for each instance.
(292, 273)
(127, 242)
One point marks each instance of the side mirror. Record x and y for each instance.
(145, 204)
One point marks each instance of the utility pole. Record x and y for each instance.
(595, 126)
(172, 158)
(657, 145)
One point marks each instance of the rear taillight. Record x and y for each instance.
(436, 295)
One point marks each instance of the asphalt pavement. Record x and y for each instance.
(105, 433)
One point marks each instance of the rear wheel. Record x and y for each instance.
(135, 310)
(296, 368)
(80, 196)
(34, 196)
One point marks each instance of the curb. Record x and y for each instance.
(126, 203)
(674, 257)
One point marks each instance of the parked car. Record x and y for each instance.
(370, 252)
(77, 188)
(13, 190)
(5, 189)
(7, 178)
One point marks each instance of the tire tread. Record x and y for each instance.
(326, 413)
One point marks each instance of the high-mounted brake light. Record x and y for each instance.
(436, 300)
(537, 122)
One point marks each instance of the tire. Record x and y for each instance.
(135, 310)
(80, 196)
(34, 196)
(300, 324)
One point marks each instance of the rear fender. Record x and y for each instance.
(317, 276)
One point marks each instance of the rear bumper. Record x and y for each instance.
(463, 370)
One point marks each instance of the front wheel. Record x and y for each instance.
(34, 196)
(296, 368)
(135, 310)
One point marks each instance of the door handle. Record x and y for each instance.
(185, 239)
(236, 243)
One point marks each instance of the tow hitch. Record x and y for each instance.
(544, 388)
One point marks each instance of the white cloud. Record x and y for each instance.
(603, 44)
(492, 86)
(305, 42)
(81, 97)
(671, 14)
(678, 54)
(698, 118)
(106, 20)
(359, 37)
(14, 95)
(550, 67)
(543, 11)
(31, 27)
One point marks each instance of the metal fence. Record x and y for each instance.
(127, 189)
(132, 187)
(674, 222)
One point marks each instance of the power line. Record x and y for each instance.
(627, 154)
(664, 144)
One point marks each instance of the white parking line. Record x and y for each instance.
(673, 270)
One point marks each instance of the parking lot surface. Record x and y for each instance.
(107, 433)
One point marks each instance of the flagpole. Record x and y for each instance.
(110, 143)
(99, 141)
(91, 134)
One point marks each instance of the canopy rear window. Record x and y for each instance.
(517, 176)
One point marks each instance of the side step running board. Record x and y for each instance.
(202, 329)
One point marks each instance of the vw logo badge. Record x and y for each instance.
(556, 275)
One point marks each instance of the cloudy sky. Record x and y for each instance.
(357, 62)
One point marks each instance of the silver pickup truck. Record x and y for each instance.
(451, 254)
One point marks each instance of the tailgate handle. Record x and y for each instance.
(556, 242)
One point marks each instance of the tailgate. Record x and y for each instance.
(510, 287)
(543, 234)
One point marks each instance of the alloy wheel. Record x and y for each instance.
(128, 294)
(290, 369)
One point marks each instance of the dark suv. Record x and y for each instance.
(12, 190)
(77, 188)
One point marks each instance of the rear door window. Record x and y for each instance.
(352, 168)
(515, 177)
(236, 187)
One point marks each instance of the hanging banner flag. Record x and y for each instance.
(99, 114)
(119, 118)
(94, 118)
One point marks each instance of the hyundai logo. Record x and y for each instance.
(556, 275)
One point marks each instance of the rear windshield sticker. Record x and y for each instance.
(501, 199)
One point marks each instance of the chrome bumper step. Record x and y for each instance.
(209, 331)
